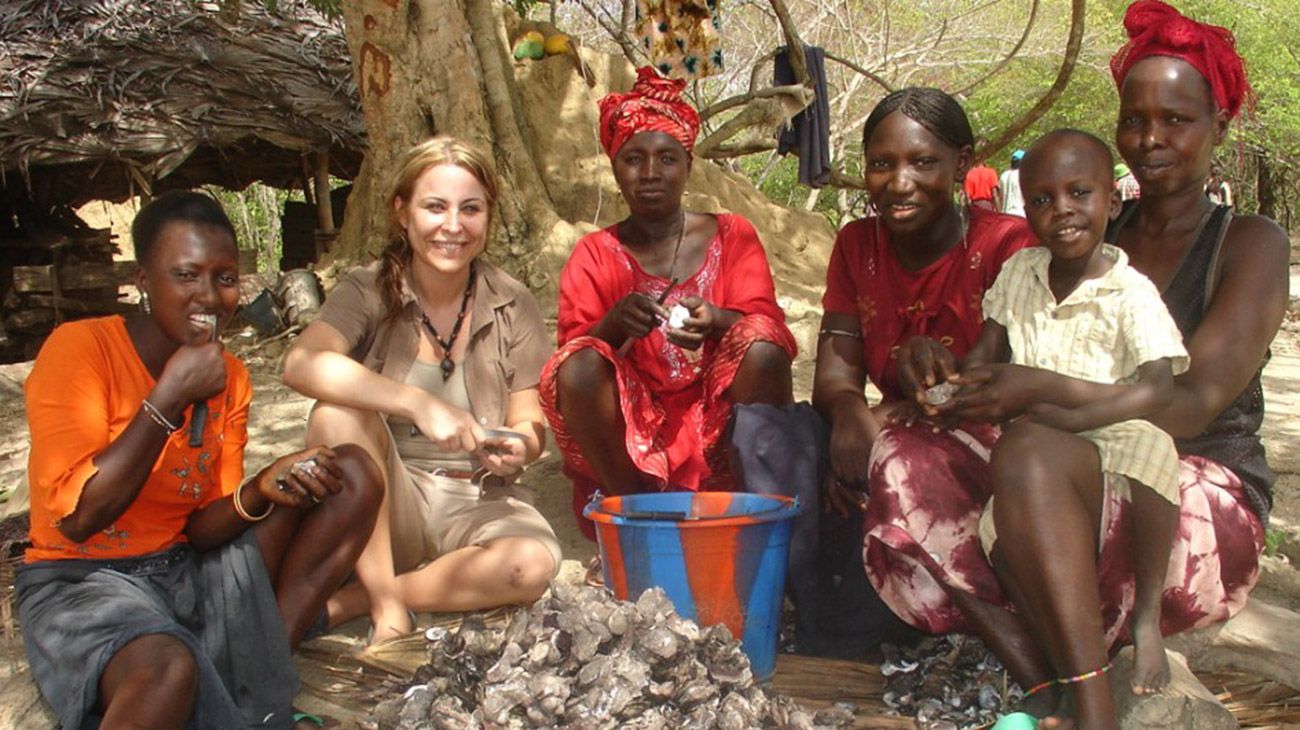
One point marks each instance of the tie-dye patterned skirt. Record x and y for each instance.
(928, 490)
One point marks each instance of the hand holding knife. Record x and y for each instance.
(663, 297)
(199, 417)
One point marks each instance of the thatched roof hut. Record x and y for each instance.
(100, 99)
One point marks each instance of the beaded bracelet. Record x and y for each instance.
(239, 507)
(1069, 680)
(157, 417)
(839, 333)
(1086, 675)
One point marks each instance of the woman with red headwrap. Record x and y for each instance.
(666, 319)
(1224, 279)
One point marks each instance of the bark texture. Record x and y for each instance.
(428, 67)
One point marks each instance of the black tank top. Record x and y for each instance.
(1232, 438)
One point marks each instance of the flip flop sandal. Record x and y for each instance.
(316, 720)
(595, 575)
(1016, 721)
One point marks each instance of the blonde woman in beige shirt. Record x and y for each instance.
(430, 360)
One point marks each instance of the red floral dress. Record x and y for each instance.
(673, 401)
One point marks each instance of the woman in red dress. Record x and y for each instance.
(667, 318)
(918, 267)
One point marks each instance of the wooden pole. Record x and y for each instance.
(307, 178)
(324, 206)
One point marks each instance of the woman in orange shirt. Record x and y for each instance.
(145, 600)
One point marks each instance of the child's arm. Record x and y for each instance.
(1152, 392)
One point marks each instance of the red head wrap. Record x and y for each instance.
(1156, 29)
(653, 105)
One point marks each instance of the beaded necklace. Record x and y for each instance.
(447, 366)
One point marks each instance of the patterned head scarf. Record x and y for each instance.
(1157, 29)
(653, 105)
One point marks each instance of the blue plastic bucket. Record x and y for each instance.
(720, 557)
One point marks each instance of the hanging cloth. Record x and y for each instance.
(681, 36)
(809, 132)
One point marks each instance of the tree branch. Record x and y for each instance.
(997, 68)
(724, 151)
(739, 99)
(1049, 98)
(618, 35)
(793, 44)
(767, 113)
(889, 89)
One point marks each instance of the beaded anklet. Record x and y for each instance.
(1069, 680)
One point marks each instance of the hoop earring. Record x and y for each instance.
(145, 306)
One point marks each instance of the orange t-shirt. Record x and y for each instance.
(84, 389)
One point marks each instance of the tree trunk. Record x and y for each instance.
(428, 67)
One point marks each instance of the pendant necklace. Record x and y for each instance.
(447, 365)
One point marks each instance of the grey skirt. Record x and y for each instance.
(76, 614)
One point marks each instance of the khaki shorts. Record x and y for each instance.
(435, 515)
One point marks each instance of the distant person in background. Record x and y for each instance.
(1125, 184)
(1012, 201)
(1217, 189)
(981, 186)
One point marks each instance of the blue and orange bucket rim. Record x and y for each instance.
(609, 510)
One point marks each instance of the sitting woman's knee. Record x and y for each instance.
(530, 568)
(157, 663)
(332, 423)
(582, 371)
(768, 360)
(764, 376)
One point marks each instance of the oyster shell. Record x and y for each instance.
(580, 659)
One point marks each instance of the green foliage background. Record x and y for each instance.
(1268, 37)
(1266, 32)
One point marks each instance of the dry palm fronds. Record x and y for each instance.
(1253, 701)
(100, 98)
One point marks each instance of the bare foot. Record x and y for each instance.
(1056, 723)
(1150, 663)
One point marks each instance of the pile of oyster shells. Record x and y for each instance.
(580, 658)
(950, 682)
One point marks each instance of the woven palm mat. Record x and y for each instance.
(344, 682)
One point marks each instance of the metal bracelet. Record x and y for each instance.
(239, 507)
(157, 416)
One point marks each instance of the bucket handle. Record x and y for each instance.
(680, 516)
